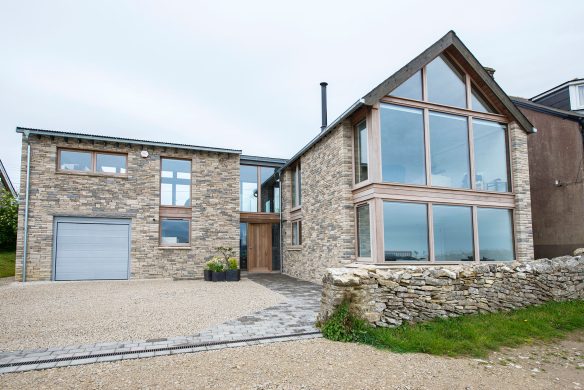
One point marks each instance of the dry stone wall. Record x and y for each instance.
(391, 296)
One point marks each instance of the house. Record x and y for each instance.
(556, 165)
(429, 167)
(5, 182)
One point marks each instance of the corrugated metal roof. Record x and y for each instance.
(104, 138)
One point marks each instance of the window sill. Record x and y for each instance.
(92, 174)
(294, 248)
(297, 208)
(184, 248)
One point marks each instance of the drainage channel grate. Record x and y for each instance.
(146, 350)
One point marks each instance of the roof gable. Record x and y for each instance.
(6, 180)
(454, 47)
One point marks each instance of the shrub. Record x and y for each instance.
(8, 220)
(215, 264)
(232, 263)
(345, 326)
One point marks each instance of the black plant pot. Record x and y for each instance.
(219, 276)
(208, 275)
(233, 275)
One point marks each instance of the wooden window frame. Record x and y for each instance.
(296, 186)
(259, 189)
(93, 153)
(160, 183)
(372, 236)
(178, 245)
(299, 223)
(357, 149)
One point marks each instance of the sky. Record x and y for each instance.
(246, 74)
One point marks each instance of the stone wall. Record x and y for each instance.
(391, 296)
(327, 213)
(214, 195)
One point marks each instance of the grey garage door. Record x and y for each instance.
(91, 249)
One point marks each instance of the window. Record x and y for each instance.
(363, 231)
(361, 161)
(296, 186)
(175, 182)
(270, 190)
(297, 233)
(490, 155)
(402, 145)
(411, 88)
(405, 231)
(174, 232)
(479, 103)
(449, 150)
(580, 93)
(446, 84)
(453, 233)
(92, 162)
(248, 188)
(495, 228)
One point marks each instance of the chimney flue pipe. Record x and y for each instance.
(323, 103)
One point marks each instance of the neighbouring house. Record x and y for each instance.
(430, 167)
(556, 165)
(5, 181)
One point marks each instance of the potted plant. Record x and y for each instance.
(218, 270)
(233, 273)
(207, 272)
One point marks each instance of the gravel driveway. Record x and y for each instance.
(54, 314)
(322, 364)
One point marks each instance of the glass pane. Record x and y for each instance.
(402, 145)
(411, 88)
(75, 161)
(248, 188)
(581, 95)
(490, 154)
(361, 161)
(364, 231)
(110, 163)
(495, 234)
(405, 231)
(175, 182)
(479, 103)
(453, 233)
(449, 151)
(270, 188)
(299, 186)
(295, 233)
(243, 246)
(294, 181)
(174, 231)
(446, 84)
(275, 247)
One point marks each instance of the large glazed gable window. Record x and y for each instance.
(175, 182)
(490, 152)
(495, 234)
(361, 155)
(411, 88)
(449, 150)
(479, 103)
(446, 84)
(86, 161)
(402, 145)
(405, 231)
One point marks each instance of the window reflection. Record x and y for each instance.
(495, 228)
(453, 234)
(175, 182)
(446, 84)
(490, 154)
(270, 190)
(411, 88)
(363, 231)
(405, 231)
(248, 188)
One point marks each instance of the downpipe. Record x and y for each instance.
(26, 199)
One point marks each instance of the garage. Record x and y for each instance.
(91, 249)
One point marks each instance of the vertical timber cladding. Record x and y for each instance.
(327, 213)
(215, 206)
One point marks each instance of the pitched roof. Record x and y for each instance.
(54, 133)
(6, 180)
(451, 43)
(526, 103)
(575, 81)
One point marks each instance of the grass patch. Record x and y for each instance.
(473, 335)
(7, 259)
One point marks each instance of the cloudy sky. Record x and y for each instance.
(245, 74)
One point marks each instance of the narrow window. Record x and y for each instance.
(75, 161)
(490, 155)
(453, 234)
(110, 163)
(297, 233)
(402, 145)
(405, 231)
(174, 231)
(446, 84)
(363, 231)
(495, 228)
(449, 150)
(248, 188)
(296, 186)
(270, 190)
(411, 88)
(175, 183)
(581, 96)
(361, 160)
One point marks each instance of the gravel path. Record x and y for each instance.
(55, 314)
(321, 364)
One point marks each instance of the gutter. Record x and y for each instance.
(281, 240)
(26, 198)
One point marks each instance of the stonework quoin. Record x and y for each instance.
(389, 297)
(214, 194)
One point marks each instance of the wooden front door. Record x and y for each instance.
(259, 247)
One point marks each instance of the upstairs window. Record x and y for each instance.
(92, 162)
(361, 155)
(248, 188)
(75, 161)
(259, 189)
(411, 88)
(446, 84)
(175, 182)
(296, 186)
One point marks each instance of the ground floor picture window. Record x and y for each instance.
(175, 231)
(495, 234)
(453, 235)
(405, 231)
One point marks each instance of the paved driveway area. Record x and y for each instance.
(260, 309)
